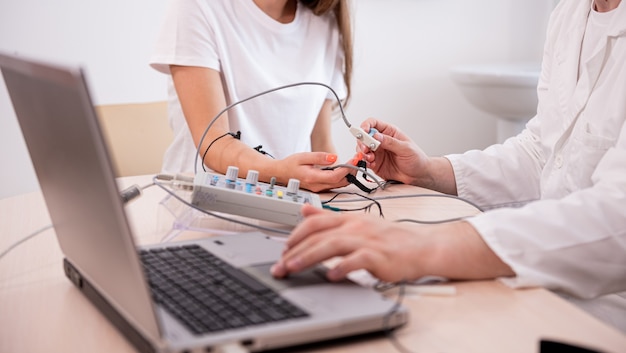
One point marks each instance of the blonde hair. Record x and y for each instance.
(342, 14)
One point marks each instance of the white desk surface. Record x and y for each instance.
(41, 311)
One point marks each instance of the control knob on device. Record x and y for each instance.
(252, 177)
(232, 173)
(293, 186)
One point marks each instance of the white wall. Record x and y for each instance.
(404, 49)
(111, 39)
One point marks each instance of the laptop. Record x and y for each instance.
(187, 296)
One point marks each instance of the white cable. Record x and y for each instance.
(127, 195)
(31, 235)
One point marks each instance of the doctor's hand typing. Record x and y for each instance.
(390, 251)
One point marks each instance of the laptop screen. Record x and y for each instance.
(76, 176)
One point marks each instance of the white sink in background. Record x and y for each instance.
(508, 92)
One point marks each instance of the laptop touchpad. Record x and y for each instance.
(309, 277)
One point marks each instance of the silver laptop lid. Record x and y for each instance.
(76, 176)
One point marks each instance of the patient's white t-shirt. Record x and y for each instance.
(253, 53)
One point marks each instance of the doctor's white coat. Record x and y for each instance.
(567, 169)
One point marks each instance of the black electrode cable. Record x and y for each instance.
(259, 149)
(352, 179)
(379, 183)
(236, 135)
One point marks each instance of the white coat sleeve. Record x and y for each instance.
(491, 178)
(576, 244)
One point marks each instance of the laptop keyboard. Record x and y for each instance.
(208, 294)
